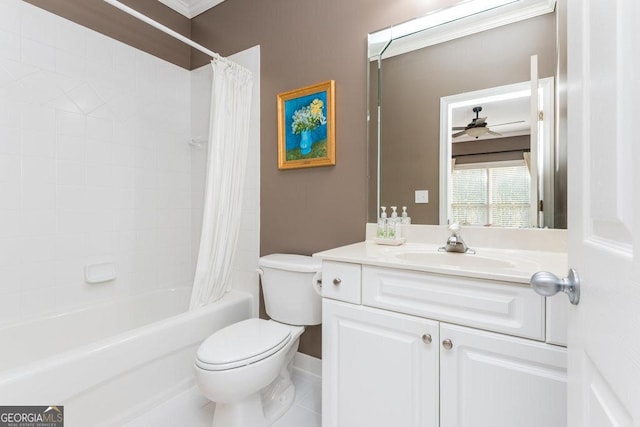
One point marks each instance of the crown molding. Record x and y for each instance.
(190, 8)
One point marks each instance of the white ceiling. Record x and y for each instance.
(190, 8)
(497, 112)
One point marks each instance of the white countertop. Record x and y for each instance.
(500, 264)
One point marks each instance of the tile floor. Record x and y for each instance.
(191, 409)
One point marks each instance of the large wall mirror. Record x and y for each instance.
(450, 107)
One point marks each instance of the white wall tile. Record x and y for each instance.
(10, 169)
(71, 246)
(10, 252)
(38, 143)
(71, 65)
(71, 148)
(38, 25)
(38, 54)
(94, 162)
(70, 124)
(10, 15)
(39, 222)
(38, 249)
(71, 38)
(71, 221)
(70, 173)
(72, 197)
(38, 117)
(39, 277)
(10, 195)
(9, 45)
(11, 223)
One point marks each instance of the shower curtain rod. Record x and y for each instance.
(162, 28)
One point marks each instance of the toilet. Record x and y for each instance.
(246, 367)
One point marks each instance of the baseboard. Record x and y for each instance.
(309, 364)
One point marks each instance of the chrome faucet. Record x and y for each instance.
(455, 242)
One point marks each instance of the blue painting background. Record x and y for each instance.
(318, 134)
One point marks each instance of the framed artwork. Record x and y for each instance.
(306, 127)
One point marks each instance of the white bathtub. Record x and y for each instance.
(109, 362)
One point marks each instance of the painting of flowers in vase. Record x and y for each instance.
(306, 128)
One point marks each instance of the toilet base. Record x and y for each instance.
(247, 412)
(263, 408)
(278, 396)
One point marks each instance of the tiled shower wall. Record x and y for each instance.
(94, 165)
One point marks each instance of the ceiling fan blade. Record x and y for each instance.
(495, 133)
(508, 123)
(458, 128)
(457, 134)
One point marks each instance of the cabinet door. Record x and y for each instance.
(493, 380)
(378, 368)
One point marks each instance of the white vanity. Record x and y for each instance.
(417, 337)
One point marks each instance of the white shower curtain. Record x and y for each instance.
(226, 165)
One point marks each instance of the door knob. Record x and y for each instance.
(548, 284)
(337, 281)
(447, 344)
(426, 338)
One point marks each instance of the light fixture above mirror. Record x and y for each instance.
(460, 20)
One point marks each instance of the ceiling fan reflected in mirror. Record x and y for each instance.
(478, 126)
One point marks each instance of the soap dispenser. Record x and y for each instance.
(406, 219)
(382, 223)
(394, 224)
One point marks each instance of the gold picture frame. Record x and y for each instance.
(306, 127)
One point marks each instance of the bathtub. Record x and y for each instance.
(110, 362)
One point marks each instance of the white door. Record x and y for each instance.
(379, 369)
(604, 211)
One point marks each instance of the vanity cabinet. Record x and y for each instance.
(423, 349)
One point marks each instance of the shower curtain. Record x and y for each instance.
(226, 165)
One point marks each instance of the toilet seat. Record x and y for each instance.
(241, 344)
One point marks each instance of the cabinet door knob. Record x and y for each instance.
(447, 344)
(337, 281)
(426, 338)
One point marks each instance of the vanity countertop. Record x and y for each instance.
(498, 264)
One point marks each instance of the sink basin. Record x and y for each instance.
(454, 260)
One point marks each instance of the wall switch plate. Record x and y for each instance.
(422, 196)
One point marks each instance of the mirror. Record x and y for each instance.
(411, 73)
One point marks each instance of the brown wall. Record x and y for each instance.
(413, 83)
(106, 19)
(304, 42)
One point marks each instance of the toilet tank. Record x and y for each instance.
(289, 295)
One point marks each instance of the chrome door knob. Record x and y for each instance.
(337, 281)
(447, 344)
(548, 284)
(426, 338)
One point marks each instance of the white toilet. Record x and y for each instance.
(246, 367)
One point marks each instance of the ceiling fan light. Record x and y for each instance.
(476, 132)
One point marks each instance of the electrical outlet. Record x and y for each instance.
(422, 196)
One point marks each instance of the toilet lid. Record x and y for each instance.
(291, 262)
(242, 343)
